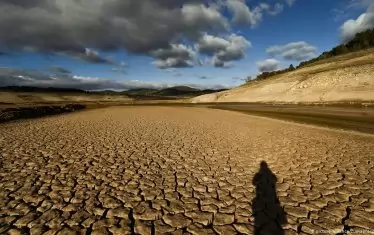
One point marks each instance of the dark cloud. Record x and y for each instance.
(91, 56)
(293, 51)
(145, 27)
(71, 26)
(202, 77)
(268, 65)
(176, 56)
(224, 49)
(243, 14)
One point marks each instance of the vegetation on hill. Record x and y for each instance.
(361, 41)
(265, 75)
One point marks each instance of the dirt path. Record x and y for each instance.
(144, 170)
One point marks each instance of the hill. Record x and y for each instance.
(361, 41)
(340, 79)
(339, 75)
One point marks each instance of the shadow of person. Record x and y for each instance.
(268, 214)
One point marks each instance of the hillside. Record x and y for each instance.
(342, 78)
(345, 73)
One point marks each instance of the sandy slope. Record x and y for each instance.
(345, 78)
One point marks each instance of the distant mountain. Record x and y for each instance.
(178, 91)
(137, 93)
(168, 93)
(140, 91)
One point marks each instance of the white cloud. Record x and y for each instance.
(351, 27)
(278, 8)
(360, 4)
(268, 65)
(293, 51)
(290, 2)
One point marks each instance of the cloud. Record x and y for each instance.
(224, 50)
(119, 70)
(177, 75)
(92, 56)
(123, 64)
(70, 26)
(268, 65)
(243, 14)
(176, 56)
(59, 70)
(210, 44)
(19, 77)
(351, 27)
(340, 14)
(202, 77)
(84, 28)
(360, 4)
(290, 2)
(278, 8)
(293, 51)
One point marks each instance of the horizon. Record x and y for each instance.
(110, 90)
(206, 45)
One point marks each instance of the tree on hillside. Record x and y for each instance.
(361, 41)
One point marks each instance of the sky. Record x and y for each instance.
(125, 44)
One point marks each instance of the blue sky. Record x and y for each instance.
(287, 33)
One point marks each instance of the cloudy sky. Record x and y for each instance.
(123, 44)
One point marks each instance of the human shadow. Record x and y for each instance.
(268, 214)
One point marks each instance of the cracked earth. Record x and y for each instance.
(173, 170)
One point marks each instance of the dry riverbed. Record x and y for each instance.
(157, 170)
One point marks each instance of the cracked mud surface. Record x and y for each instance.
(160, 170)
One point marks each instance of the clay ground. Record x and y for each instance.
(159, 170)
